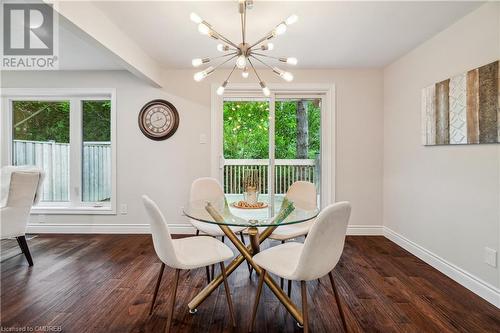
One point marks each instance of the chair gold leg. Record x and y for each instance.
(257, 298)
(243, 241)
(289, 292)
(304, 305)
(337, 299)
(172, 302)
(228, 294)
(157, 287)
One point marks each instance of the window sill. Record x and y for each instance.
(61, 210)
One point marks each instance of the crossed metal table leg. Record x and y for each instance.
(246, 254)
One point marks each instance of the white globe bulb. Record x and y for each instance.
(291, 19)
(203, 29)
(266, 91)
(245, 74)
(197, 62)
(241, 62)
(280, 29)
(287, 76)
(195, 18)
(199, 76)
(291, 61)
(270, 46)
(222, 47)
(220, 90)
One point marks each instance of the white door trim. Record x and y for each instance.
(328, 130)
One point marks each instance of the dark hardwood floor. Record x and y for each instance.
(104, 283)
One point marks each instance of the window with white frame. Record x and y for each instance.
(71, 138)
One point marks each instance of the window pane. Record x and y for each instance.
(246, 150)
(96, 160)
(297, 139)
(41, 138)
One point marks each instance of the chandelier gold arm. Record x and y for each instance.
(254, 70)
(266, 37)
(262, 62)
(219, 35)
(224, 55)
(265, 55)
(225, 61)
(231, 73)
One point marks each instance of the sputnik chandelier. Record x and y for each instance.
(244, 53)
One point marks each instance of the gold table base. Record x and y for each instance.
(246, 254)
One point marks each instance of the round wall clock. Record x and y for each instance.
(158, 119)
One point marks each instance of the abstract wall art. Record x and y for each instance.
(464, 109)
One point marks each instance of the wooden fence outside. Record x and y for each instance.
(54, 158)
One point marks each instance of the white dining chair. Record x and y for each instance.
(209, 189)
(20, 191)
(307, 261)
(184, 254)
(303, 195)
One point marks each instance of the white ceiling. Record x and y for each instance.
(328, 34)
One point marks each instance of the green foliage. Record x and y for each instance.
(246, 129)
(41, 121)
(49, 120)
(97, 121)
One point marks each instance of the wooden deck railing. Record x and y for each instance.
(286, 173)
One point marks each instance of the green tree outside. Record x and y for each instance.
(49, 120)
(246, 129)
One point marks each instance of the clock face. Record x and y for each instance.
(158, 120)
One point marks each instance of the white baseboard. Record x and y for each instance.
(476, 285)
(73, 228)
(177, 228)
(365, 230)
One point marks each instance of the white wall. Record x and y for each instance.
(164, 170)
(443, 198)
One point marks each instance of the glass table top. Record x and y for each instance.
(289, 212)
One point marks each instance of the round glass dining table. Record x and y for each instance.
(260, 224)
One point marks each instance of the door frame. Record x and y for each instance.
(328, 126)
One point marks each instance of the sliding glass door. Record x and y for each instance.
(268, 144)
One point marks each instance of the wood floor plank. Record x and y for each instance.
(105, 283)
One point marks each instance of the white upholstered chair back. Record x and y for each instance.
(324, 243)
(162, 240)
(5, 176)
(206, 188)
(303, 195)
(23, 191)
